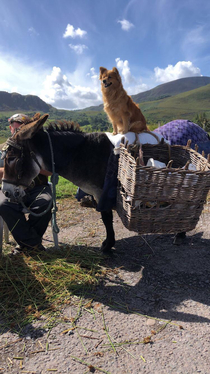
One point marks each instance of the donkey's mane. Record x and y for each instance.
(64, 126)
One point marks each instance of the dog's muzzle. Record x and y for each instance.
(106, 84)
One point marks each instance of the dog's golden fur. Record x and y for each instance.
(124, 114)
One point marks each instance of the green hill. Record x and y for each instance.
(184, 98)
(185, 105)
(164, 90)
(16, 102)
(171, 89)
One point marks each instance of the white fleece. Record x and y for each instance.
(131, 137)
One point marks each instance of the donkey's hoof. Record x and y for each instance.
(109, 253)
(106, 247)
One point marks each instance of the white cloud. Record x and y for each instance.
(124, 68)
(182, 69)
(126, 25)
(4, 86)
(78, 48)
(33, 32)
(134, 90)
(56, 78)
(132, 85)
(61, 93)
(93, 75)
(18, 76)
(73, 33)
(54, 87)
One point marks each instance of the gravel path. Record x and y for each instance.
(151, 313)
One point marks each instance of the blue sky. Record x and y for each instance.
(54, 48)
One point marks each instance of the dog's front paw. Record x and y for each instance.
(114, 133)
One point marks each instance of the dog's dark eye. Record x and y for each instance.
(109, 77)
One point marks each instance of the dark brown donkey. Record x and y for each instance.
(80, 157)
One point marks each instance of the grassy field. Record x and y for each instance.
(182, 106)
(65, 188)
(2, 139)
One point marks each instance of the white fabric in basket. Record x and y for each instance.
(144, 138)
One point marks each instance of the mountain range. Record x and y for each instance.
(165, 90)
(16, 102)
(181, 98)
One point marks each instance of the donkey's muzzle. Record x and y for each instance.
(7, 194)
(12, 192)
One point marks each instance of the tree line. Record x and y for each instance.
(92, 121)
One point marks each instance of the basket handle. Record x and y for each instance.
(158, 140)
(151, 133)
(169, 165)
(146, 132)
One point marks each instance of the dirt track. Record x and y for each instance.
(154, 304)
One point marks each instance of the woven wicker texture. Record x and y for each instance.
(166, 200)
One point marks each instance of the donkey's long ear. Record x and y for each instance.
(102, 70)
(28, 131)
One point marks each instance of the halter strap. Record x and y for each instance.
(16, 184)
(13, 144)
(54, 179)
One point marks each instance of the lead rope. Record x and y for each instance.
(54, 179)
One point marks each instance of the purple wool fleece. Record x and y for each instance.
(180, 130)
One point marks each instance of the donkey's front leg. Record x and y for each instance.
(109, 242)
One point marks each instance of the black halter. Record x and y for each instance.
(54, 178)
(19, 161)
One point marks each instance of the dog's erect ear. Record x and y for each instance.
(114, 69)
(102, 70)
(117, 73)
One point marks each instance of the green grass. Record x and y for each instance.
(64, 188)
(36, 287)
(3, 139)
(183, 106)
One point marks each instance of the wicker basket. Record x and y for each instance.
(166, 200)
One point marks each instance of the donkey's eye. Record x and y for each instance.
(11, 158)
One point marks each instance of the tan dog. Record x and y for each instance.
(124, 114)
